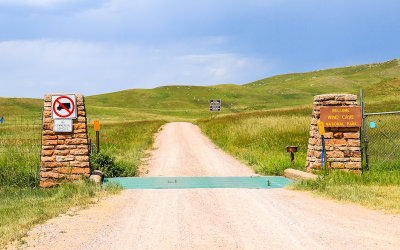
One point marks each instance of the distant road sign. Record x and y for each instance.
(215, 105)
(63, 107)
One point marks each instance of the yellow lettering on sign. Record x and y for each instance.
(341, 110)
(333, 117)
(348, 117)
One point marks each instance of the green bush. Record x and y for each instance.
(107, 165)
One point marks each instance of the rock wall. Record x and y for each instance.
(343, 146)
(65, 156)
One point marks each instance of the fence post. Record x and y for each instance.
(362, 130)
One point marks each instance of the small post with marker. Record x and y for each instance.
(97, 129)
(321, 129)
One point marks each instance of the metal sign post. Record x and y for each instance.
(215, 105)
(321, 130)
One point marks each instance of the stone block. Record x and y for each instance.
(49, 175)
(80, 151)
(61, 158)
(82, 158)
(352, 135)
(49, 137)
(75, 141)
(48, 132)
(79, 126)
(61, 152)
(335, 154)
(48, 158)
(338, 135)
(48, 184)
(84, 136)
(79, 164)
(336, 165)
(353, 143)
(353, 165)
(47, 152)
(298, 175)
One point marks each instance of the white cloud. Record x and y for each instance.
(33, 68)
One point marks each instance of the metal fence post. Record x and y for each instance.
(362, 129)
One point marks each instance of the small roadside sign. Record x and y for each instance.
(215, 105)
(2, 120)
(64, 125)
(96, 125)
(63, 107)
(321, 128)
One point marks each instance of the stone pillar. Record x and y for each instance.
(65, 156)
(343, 147)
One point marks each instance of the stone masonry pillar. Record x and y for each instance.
(342, 145)
(65, 155)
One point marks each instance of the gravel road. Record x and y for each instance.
(214, 218)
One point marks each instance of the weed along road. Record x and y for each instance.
(214, 218)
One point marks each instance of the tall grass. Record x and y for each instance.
(22, 208)
(20, 141)
(127, 142)
(377, 188)
(260, 139)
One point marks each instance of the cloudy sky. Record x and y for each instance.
(99, 46)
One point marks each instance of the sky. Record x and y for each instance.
(101, 46)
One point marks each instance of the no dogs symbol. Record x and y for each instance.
(63, 107)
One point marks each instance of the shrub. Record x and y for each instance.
(107, 165)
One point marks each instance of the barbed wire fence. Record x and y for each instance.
(20, 148)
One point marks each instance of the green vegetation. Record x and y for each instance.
(20, 151)
(377, 188)
(259, 139)
(22, 208)
(258, 120)
(177, 103)
(125, 143)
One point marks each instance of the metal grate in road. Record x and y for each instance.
(258, 182)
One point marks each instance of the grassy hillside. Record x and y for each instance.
(380, 81)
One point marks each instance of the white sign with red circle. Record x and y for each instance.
(63, 107)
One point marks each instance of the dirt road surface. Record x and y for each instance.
(214, 218)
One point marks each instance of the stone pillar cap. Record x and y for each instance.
(342, 97)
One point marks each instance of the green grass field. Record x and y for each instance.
(258, 120)
(259, 139)
(380, 82)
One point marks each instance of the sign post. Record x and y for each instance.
(97, 129)
(215, 105)
(321, 130)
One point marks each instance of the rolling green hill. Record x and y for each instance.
(380, 81)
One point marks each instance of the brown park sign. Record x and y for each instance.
(341, 116)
